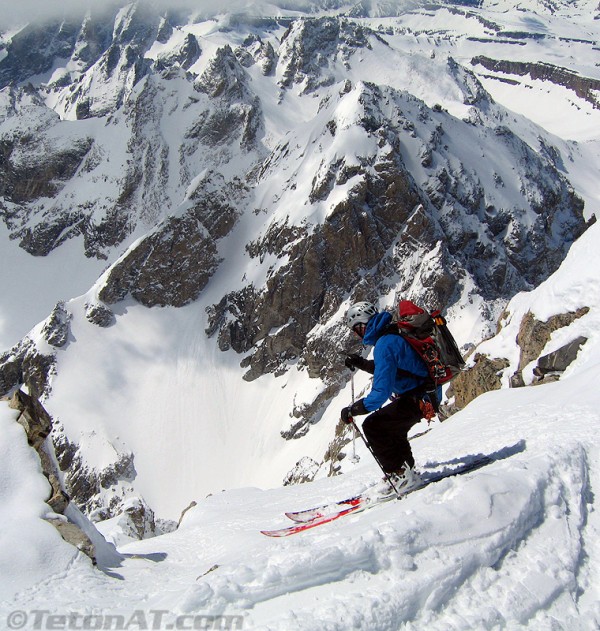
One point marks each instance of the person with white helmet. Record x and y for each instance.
(399, 374)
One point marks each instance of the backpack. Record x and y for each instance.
(428, 334)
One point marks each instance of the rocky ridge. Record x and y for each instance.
(584, 87)
(389, 217)
(390, 225)
(37, 424)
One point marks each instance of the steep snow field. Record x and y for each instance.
(31, 286)
(514, 545)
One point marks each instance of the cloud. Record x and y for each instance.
(25, 11)
(20, 12)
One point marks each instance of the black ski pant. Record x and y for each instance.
(386, 431)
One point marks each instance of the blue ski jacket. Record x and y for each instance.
(391, 352)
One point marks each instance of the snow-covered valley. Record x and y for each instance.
(513, 545)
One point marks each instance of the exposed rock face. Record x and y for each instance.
(237, 112)
(31, 174)
(173, 264)
(33, 51)
(224, 76)
(485, 374)
(86, 485)
(310, 46)
(584, 87)
(186, 56)
(558, 361)
(155, 272)
(25, 364)
(311, 411)
(255, 51)
(56, 328)
(38, 425)
(137, 519)
(99, 314)
(40, 153)
(72, 534)
(534, 335)
(304, 471)
(28, 364)
(36, 163)
(335, 452)
(483, 377)
(106, 493)
(320, 272)
(32, 178)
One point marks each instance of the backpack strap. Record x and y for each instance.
(428, 382)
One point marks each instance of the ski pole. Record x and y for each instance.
(355, 458)
(385, 473)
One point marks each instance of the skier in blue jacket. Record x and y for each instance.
(399, 374)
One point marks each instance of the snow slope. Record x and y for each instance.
(31, 286)
(31, 548)
(514, 545)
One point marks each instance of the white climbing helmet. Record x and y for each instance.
(360, 313)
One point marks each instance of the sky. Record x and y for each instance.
(14, 13)
(17, 13)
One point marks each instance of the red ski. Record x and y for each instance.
(360, 504)
(326, 513)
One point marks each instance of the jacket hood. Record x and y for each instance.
(376, 327)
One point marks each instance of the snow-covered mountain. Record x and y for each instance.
(191, 198)
(511, 546)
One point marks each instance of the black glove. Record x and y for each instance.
(356, 361)
(346, 415)
(356, 409)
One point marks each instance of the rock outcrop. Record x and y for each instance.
(38, 425)
(488, 373)
(32, 362)
(174, 263)
(310, 48)
(304, 471)
(483, 376)
(549, 367)
(534, 335)
(584, 87)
